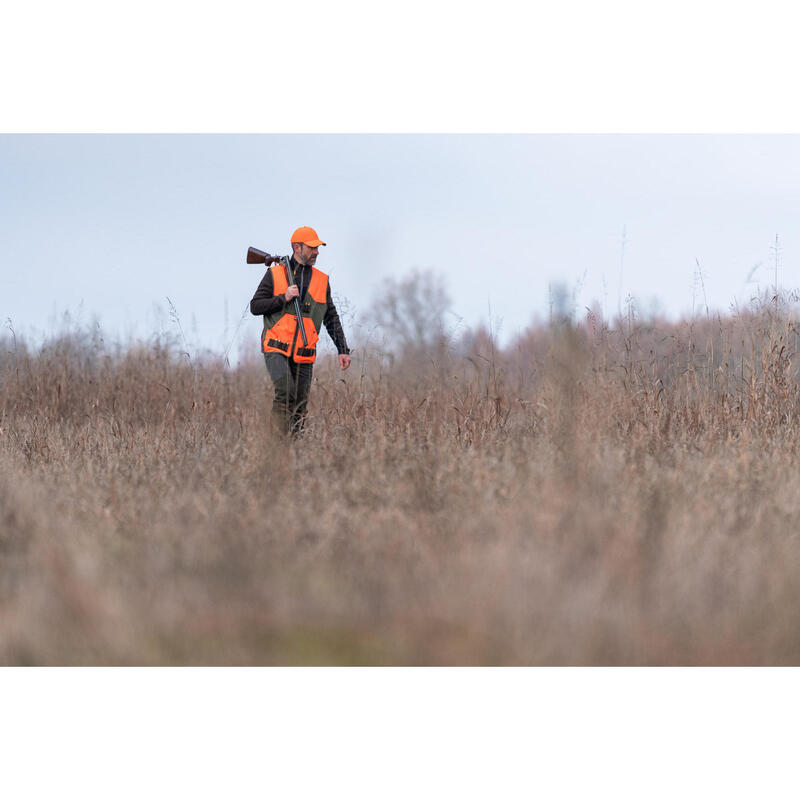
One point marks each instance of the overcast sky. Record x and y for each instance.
(110, 226)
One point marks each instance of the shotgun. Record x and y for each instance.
(255, 256)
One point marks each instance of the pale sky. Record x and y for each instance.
(109, 226)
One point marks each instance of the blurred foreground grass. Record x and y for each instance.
(587, 496)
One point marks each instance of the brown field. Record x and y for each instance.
(586, 496)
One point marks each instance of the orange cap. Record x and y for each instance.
(306, 236)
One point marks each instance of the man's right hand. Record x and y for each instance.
(291, 292)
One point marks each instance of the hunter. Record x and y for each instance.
(290, 362)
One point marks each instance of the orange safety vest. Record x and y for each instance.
(281, 334)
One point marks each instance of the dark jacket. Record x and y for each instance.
(264, 302)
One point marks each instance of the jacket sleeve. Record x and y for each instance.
(264, 300)
(333, 325)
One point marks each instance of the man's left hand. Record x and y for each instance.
(344, 360)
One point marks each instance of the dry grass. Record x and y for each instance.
(588, 496)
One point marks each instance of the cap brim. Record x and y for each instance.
(314, 243)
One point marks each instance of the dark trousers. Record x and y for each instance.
(292, 383)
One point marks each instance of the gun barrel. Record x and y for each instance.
(297, 313)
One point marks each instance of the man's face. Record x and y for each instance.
(306, 255)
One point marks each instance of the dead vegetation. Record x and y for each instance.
(586, 496)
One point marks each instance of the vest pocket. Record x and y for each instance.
(278, 345)
(312, 337)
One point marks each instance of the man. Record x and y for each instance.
(289, 362)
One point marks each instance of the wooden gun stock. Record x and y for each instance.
(256, 256)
